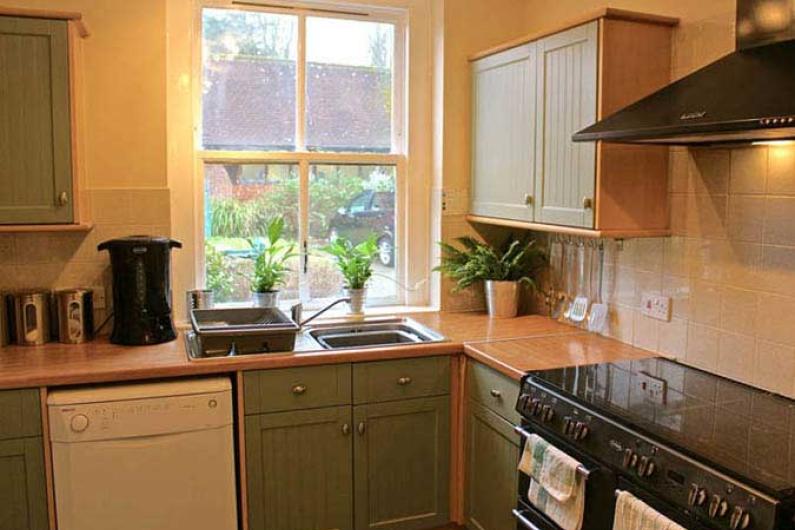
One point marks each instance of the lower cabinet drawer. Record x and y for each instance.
(493, 390)
(20, 413)
(400, 379)
(304, 387)
(23, 494)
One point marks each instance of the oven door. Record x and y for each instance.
(599, 489)
(679, 516)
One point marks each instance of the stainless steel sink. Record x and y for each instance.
(372, 334)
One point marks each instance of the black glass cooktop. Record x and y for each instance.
(745, 431)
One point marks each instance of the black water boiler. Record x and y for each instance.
(141, 268)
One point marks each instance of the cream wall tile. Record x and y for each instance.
(781, 170)
(777, 271)
(646, 282)
(709, 173)
(112, 207)
(705, 303)
(676, 261)
(678, 289)
(679, 214)
(702, 346)
(776, 320)
(649, 255)
(149, 207)
(736, 355)
(738, 310)
(645, 334)
(748, 170)
(746, 217)
(779, 228)
(775, 367)
(680, 162)
(743, 265)
(673, 338)
(620, 323)
(706, 215)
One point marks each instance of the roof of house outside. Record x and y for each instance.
(249, 104)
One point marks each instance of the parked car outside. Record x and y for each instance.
(370, 212)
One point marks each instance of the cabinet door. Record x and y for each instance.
(299, 470)
(35, 135)
(492, 453)
(401, 462)
(503, 134)
(566, 95)
(23, 498)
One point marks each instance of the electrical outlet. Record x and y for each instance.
(656, 306)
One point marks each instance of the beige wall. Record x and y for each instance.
(123, 146)
(730, 266)
(470, 26)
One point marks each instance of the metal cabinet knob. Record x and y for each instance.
(587, 203)
(360, 428)
(346, 429)
(495, 393)
(63, 198)
(403, 381)
(528, 199)
(299, 389)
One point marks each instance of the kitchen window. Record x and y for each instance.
(302, 117)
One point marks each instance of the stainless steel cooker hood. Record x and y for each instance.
(748, 95)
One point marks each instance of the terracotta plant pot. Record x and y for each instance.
(266, 299)
(502, 299)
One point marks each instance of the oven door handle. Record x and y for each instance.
(580, 469)
(524, 521)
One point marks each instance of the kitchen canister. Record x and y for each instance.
(32, 314)
(75, 313)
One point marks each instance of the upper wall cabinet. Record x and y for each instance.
(37, 171)
(531, 96)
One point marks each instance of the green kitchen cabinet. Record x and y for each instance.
(492, 453)
(401, 463)
(300, 470)
(35, 122)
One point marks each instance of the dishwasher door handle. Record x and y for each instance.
(524, 521)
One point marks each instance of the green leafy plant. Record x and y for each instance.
(270, 268)
(518, 261)
(355, 262)
(220, 278)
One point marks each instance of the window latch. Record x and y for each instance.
(306, 257)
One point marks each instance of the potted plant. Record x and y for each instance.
(270, 267)
(501, 271)
(355, 262)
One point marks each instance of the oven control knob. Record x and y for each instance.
(581, 431)
(630, 458)
(642, 466)
(740, 519)
(535, 406)
(718, 507)
(547, 413)
(651, 467)
(568, 426)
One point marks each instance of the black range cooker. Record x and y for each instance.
(705, 451)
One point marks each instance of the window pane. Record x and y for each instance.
(349, 85)
(239, 200)
(354, 202)
(249, 80)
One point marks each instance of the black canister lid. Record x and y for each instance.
(139, 241)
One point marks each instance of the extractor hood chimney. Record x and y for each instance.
(746, 96)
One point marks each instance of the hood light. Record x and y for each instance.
(774, 143)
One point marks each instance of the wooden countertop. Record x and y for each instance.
(511, 346)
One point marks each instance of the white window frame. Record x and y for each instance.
(416, 292)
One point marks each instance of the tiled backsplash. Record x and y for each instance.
(729, 268)
(63, 260)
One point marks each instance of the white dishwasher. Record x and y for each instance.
(154, 456)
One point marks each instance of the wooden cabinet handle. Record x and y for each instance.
(495, 393)
(299, 389)
(346, 429)
(587, 203)
(360, 428)
(528, 199)
(403, 381)
(63, 198)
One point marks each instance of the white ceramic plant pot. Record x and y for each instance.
(357, 296)
(266, 299)
(502, 299)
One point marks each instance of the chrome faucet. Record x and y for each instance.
(297, 311)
